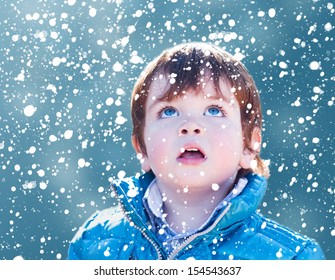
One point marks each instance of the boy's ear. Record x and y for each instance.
(140, 155)
(247, 161)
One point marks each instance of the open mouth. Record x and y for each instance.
(191, 153)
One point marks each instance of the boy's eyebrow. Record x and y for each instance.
(220, 97)
(217, 96)
(154, 102)
(157, 101)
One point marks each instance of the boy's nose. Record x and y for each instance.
(190, 128)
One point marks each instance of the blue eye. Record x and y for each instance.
(214, 111)
(168, 113)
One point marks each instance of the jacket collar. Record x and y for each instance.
(130, 193)
(245, 204)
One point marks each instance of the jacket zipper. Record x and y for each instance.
(152, 242)
(176, 251)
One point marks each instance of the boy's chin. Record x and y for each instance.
(196, 183)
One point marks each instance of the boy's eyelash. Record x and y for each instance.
(164, 107)
(219, 107)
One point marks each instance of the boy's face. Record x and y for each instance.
(194, 140)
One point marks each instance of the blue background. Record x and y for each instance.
(67, 59)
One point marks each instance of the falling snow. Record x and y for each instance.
(67, 71)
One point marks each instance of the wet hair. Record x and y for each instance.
(188, 65)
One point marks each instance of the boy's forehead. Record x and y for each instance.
(162, 83)
(159, 85)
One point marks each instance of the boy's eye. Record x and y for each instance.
(168, 113)
(214, 111)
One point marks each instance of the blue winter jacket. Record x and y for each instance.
(239, 231)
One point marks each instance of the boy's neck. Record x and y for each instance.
(188, 211)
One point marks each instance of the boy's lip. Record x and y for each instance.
(191, 154)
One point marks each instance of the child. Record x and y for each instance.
(197, 124)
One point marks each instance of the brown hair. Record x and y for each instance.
(187, 64)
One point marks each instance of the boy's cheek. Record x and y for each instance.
(247, 160)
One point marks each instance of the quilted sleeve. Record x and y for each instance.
(312, 251)
(105, 235)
